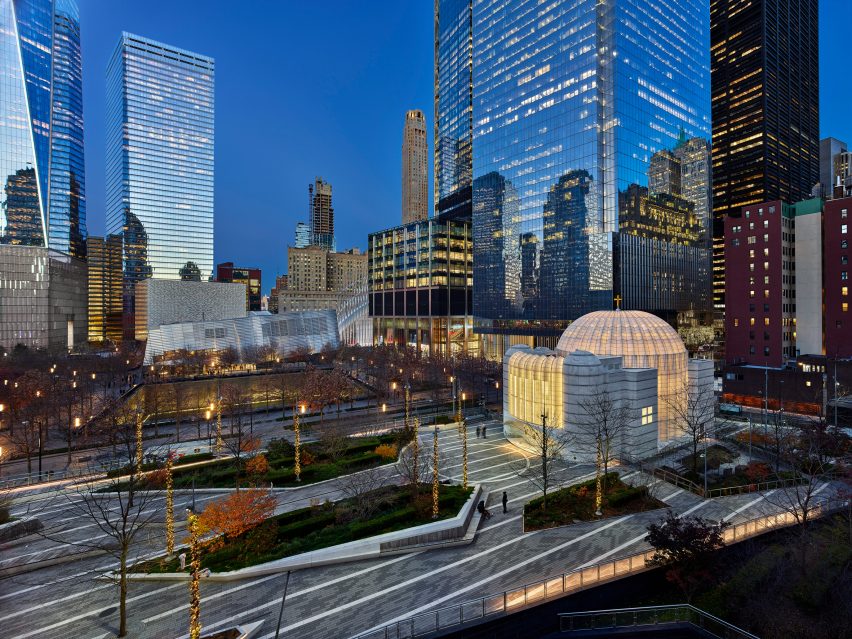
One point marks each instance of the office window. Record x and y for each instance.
(766, 350)
(843, 213)
(766, 321)
(735, 241)
(844, 244)
(844, 275)
(766, 293)
(766, 237)
(736, 321)
(751, 293)
(844, 307)
(751, 253)
(766, 224)
(766, 252)
(752, 239)
(751, 226)
(844, 291)
(766, 279)
(751, 350)
(647, 415)
(844, 259)
(751, 267)
(751, 321)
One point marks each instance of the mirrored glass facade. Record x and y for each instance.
(42, 198)
(160, 142)
(453, 109)
(590, 160)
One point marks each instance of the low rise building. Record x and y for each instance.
(284, 333)
(160, 302)
(249, 277)
(420, 286)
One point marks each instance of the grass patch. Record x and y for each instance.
(322, 526)
(577, 503)
(716, 456)
(317, 465)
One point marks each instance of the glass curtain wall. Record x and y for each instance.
(571, 102)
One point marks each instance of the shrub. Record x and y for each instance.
(387, 451)
(257, 466)
(308, 457)
(280, 448)
(624, 496)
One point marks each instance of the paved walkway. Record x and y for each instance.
(344, 600)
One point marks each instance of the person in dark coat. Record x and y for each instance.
(477, 432)
(505, 501)
(484, 436)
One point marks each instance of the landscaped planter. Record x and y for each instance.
(246, 631)
(19, 528)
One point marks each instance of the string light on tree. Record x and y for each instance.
(415, 451)
(170, 507)
(219, 442)
(435, 482)
(195, 566)
(297, 468)
(139, 450)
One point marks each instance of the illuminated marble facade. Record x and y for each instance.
(634, 357)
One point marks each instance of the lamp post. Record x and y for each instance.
(464, 447)
(435, 482)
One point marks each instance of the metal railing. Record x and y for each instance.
(566, 583)
(650, 616)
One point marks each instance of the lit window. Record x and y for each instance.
(766, 321)
(844, 307)
(766, 293)
(808, 383)
(751, 321)
(751, 253)
(751, 226)
(736, 321)
(844, 229)
(844, 275)
(766, 279)
(752, 239)
(766, 224)
(843, 213)
(751, 267)
(647, 415)
(766, 252)
(766, 350)
(751, 293)
(766, 237)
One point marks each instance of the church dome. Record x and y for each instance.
(642, 340)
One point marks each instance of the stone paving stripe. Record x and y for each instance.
(468, 588)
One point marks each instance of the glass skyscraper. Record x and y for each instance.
(42, 195)
(160, 139)
(42, 200)
(589, 147)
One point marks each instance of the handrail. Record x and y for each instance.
(534, 593)
(650, 616)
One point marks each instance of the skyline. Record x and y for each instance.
(321, 134)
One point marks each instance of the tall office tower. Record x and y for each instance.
(765, 84)
(105, 288)
(303, 235)
(415, 174)
(575, 105)
(42, 175)
(453, 107)
(322, 214)
(160, 134)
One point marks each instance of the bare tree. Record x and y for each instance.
(692, 410)
(121, 513)
(414, 473)
(602, 428)
(549, 441)
(363, 489)
(808, 469)
(333, 440)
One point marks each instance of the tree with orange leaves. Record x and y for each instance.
(237, 513)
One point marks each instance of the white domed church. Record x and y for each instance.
(629, 360)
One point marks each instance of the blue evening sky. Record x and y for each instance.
(308, 88)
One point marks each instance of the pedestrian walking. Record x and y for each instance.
(484, 436)
(477, 432)
(505, 501)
